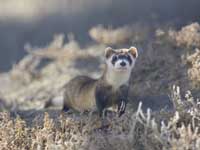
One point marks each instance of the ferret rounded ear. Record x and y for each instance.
(133, 51)
(108, 52)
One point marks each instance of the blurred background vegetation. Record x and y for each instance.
(36, 21)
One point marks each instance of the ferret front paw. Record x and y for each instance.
(121, 108)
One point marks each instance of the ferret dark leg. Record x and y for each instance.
(122, 100)
(102, 99)
(100, 102)
(66, 99)
(122, 107)
(48, 103)
(65, 108)
(100, 107)
(105, 112)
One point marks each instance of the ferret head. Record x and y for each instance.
(121, 60)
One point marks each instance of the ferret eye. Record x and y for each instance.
(114, 59)
(129, 59)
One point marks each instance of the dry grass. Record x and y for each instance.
(194, 66)
(188, 36)
(139, 130)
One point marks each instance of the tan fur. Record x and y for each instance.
(133, 51)
(117, 78)
(88, 97)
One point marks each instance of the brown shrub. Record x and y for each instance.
(188, 36)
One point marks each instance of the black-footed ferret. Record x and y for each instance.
(84, 93)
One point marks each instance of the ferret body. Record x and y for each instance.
(83, 93)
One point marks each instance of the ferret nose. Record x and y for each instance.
(123, 64)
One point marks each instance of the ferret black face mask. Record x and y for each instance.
(121, 59)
